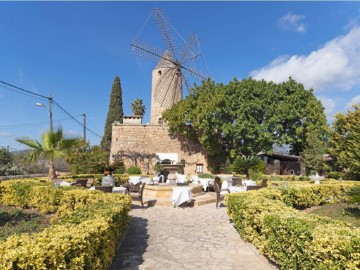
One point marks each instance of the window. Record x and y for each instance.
(199, 168)
(159, 72)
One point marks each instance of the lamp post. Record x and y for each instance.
(50, 111)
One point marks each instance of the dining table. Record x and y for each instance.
(134, 180)
(122, 190)
(248, 183)
(204, 182)
(181, 195)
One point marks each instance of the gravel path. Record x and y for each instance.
(185, 238)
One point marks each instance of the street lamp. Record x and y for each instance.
(50, 111)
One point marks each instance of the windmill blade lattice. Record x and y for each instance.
(181, 63)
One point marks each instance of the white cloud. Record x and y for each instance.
(292, 22)
(353, 101)
(335, 65)
(72, 133)
(329, 104)
(5, 134)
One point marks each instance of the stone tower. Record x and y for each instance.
(166, 87)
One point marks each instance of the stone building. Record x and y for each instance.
(282, 164)
(145, 144)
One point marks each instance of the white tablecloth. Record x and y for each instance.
(64, 183)
(181, 195)
(234, 189)
(204, 182)
(158, 179)
(248, 183)
(122, 190)
(134, 180)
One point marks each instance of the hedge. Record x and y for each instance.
(290, 238)
(84, 233)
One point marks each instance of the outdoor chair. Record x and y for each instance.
(220, 195)
(138, 196)
(264, 183)
(105, 189)
(274, 185)
(90, 182)
(236, 181)
(80, 182)
(253, 188)
(134, 188)
(211, 184)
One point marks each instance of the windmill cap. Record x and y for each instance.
(166, 60)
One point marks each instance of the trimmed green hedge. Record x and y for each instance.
(85, 229)
(290, 238)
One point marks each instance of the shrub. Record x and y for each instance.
(243, 164)
(85, 231)
(134, 170)
(206, 175)
(334, 175)
(290, 238)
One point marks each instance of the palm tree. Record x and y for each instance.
(53, 145)
(137, 107)
(243, 164)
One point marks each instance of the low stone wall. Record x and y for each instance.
(9, 177)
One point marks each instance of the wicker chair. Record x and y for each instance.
(134, 188)
(253, 188)
(220, 195)
(264, 183)
(80, 182)
(138, 196)
(90, 182)
(105, 189)
(236, 181)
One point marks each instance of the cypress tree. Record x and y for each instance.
(115, 113)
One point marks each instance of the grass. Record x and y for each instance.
(16, 221)
(344, 212)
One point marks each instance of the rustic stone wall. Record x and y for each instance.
(132, 120)
(148, 139)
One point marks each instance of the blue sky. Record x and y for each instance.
(73, 51)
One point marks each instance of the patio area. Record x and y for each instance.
(189, 238)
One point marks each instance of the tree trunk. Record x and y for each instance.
(52, 172)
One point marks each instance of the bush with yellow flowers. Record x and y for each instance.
(291, 238)
(85, 230)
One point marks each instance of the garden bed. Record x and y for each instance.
(84, 231)
(269, 219)
(15, 220)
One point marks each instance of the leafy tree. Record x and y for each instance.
(314, 152)
(246, 117)
(248, 164)
(54, 145)
(115, 113)
(137, 107)
(5, 156)
(344, 144)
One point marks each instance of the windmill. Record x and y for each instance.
(174, 66)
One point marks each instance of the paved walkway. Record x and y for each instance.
(190, 238)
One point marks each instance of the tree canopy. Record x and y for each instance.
(247, 117)
(344, 143)
(115, 113)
